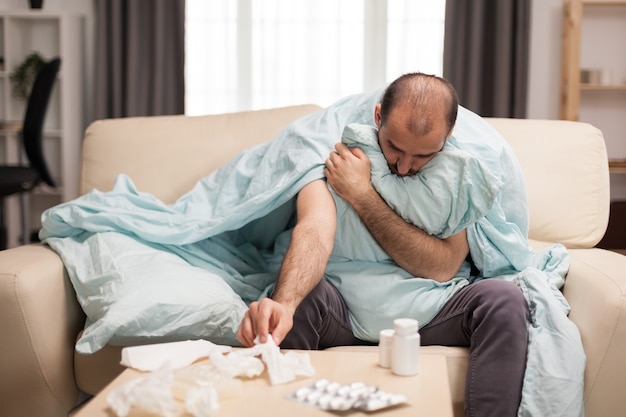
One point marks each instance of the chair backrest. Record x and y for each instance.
(32, 130)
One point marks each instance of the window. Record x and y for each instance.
(253, 54)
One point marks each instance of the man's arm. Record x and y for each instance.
(302, 269)
(421, 254)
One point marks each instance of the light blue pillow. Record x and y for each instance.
(452, 191)
(134, 293)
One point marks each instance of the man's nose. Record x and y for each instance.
(403, 166)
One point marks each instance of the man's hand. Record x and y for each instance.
(348, 172)
(263, 318)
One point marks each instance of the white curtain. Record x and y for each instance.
(253, 54)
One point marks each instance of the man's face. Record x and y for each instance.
(406, 153)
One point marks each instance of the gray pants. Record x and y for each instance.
(490, 317)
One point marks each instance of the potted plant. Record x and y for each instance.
(23, 76)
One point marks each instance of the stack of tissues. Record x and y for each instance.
(172, 379)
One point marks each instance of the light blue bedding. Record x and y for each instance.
(235, 226)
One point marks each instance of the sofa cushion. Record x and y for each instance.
(166, 155)
(567, 176)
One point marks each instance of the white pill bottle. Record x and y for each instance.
(405, 347)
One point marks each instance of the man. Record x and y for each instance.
(415, 119)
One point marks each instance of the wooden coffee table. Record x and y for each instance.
(428, 393)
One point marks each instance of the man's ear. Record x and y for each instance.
(450, 132)
(377, 115)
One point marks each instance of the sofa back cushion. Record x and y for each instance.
(167, 155)
(566, 170)
(564, 163)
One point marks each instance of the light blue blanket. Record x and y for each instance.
(235, 224)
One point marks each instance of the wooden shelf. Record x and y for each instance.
(604, 2)
(571, 85)
(609, 96)
(617, 166)
(603, 87)
(7, 127)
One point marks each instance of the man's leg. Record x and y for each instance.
(321, 321)
(491, 317)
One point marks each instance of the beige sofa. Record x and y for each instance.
(565, 165)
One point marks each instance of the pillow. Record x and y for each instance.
(450, 192)
(135, 293)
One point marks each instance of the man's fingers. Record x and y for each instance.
(245, 334)
(341, 148)
(263, 317)
(358, 152)
(335, 157)
(249, 327)
(281, 330)
(344, 151)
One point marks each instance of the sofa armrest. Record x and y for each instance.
(595, 289)
(39, 321)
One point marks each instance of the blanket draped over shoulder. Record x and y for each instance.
(237, 222)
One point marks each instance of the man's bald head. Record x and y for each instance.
(426, 97)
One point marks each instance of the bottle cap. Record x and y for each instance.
(385, 337)
(405, 327)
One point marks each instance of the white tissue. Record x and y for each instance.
(202, 402)
(156, 392)
(281, 368)
(205, 375)
(151, 393)
(178, 354)
(235, 364)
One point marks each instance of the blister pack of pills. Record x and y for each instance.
(329, 395)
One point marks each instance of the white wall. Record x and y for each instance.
(545, 59)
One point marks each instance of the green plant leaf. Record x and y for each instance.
(23, 76)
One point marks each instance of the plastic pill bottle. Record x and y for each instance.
(405, 347)
(385, 342)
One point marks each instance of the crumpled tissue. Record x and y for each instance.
(235, 364)
(282, 368)
(152, 393)
(201, 402)
(199, 386)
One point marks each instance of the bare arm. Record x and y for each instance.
(421, 254)
(414, 250)
(302, 269)
(310, 247)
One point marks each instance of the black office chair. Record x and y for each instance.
(19, 178)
